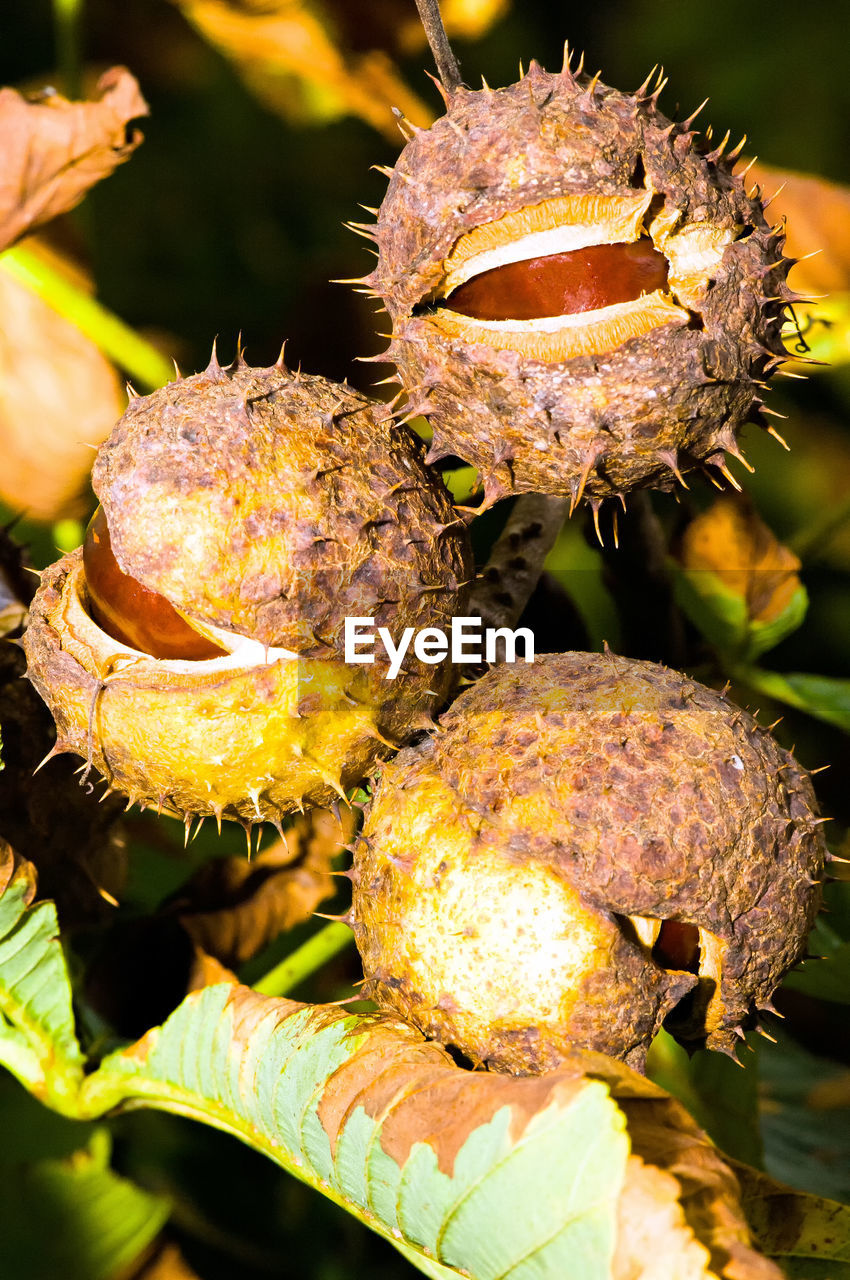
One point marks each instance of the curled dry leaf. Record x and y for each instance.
(13, 868)
(232, 907)
(167, 1263)
(17, 585)
(678, 1215)
(731, 541)
(58, 397)
(791, 1225)
(286, 53)
(55, 150)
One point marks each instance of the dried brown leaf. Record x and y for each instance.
(792, 1224)
(653, 1238)
(167, 1263)
(288, 55)
(731, 541)
(59, 397)
(233, 908)
(55, 150)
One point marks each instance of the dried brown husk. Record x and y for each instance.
(55, 150)
(516, 866)
(75, 841)
(266, 507)
(620, 398)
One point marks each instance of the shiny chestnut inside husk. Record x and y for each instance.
(585, 849)
(584, 297)
(193, 651)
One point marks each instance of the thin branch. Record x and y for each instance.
(306, 959)
(146, 366)
(67, 27)
(516, 560)
(447, 67)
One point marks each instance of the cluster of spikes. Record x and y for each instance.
(420, 379)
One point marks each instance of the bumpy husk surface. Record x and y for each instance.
(268, 506)
(597, 424)
(274, 504)
(507, 861)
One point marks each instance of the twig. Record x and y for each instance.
(447, 67)
(516, 560)
(145, 365)
(67, 27)
(306, 959)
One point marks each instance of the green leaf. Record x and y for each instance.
(580, 570)
(461, 482)
(523, 1195)
(827, 977)
(805, 1127)
(75, 1218)
(38, 1041)
(826, 327)
(720, 1095)
(722, 615)
(825, 697)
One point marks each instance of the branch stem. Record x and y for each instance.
(143, 363)
(305, 960)
(516, 559)
(446, 62)
(67, 27)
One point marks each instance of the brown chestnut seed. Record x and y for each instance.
(677, 946)
(131, 613)
(563, 284)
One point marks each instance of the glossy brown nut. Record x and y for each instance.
(563, 284)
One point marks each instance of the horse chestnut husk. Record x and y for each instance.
(585, 299)
(193, 651)
(583, 850)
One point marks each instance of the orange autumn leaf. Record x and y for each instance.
(55, 150)
(58, 397)
(287, 54)
(731, 541)
(817, 214)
